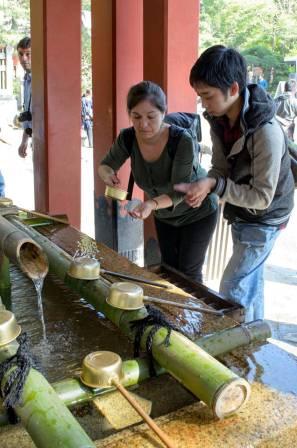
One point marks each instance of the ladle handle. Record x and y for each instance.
(181, 305)
(160, 433)
(136, 279)
(42, 215)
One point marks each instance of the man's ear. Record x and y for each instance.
(234, 89)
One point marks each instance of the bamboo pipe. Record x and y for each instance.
(5, 284)
(135, 371)
(204, 376)
(22, 251)
(46, 418)
(72, 392)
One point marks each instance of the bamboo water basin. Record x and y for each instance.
(74, 329)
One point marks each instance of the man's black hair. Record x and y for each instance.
(290, 85)
(220, 67)
(24, 43)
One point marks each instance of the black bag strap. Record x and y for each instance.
(128, 139)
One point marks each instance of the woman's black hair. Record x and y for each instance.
(146, 90)
(220, 67)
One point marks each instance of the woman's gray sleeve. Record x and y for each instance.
(117, 154)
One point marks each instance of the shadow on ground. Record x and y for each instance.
(281, 275)
(284, 331)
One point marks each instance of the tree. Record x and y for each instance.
(264, 30)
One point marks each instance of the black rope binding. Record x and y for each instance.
(13, 388)
(156, 319)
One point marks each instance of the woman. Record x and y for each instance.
(183, 232)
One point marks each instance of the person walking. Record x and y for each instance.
(87, 115)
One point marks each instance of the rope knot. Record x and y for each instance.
(156, 320)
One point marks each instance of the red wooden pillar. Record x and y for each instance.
(170, 50)
(117, 60)
(56, 101)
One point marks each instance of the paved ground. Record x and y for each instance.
(281, 270)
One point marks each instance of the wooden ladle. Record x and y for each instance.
(129, 296)
(104, 369)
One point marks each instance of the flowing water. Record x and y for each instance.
(38, 283)
(73, 327)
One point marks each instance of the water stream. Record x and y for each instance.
(38, 283)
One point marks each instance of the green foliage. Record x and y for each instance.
(265, 31)
(86, 61)
(86, 53)
(86, 5)
(14, 21)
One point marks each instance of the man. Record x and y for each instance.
(87, 115)
(262, 82)
(251, 170)
(24, 53)
(286, 108)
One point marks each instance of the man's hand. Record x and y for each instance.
(143, 210)
(23, 149)
(197, 191)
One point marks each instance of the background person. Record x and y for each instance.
(87, 115)
(251, 171)
(286, 108)
(183, 232)
(262, 82)
(24, 54)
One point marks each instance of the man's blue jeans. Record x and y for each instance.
(2, 185)
(243, 280)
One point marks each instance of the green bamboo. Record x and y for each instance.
(46, 418)
(5, 284)
(199, 372)
(231, 338)
(36, 222)
(72, 391)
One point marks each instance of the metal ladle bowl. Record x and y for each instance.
(84, 268)
(125, 296)
(9, 329)
(100, 368)
(115, 193)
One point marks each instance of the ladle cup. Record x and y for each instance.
(104, 369)
(87, 268)
(128, 296)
